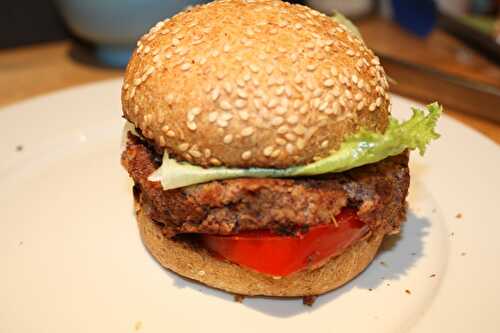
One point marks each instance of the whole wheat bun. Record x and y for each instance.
(197, 264)
(259, 83)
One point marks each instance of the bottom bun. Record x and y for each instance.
(196, 263)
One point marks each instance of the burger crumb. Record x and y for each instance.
(137, 325)
(408, 291)
(239, 298)
(463, 254)
(452, 234)
(434, 210)
(370, 289)
(388, 284)
(309, 300)
(432, 275)
(383, 263)
(413, 253)
(19, 148)
(458, 216)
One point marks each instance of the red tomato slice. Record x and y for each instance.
(277, 255)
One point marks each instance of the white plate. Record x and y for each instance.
(71, 258)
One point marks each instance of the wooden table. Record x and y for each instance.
(35, 70)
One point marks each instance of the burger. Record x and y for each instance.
(262, 150)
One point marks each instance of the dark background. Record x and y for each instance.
(31, 21)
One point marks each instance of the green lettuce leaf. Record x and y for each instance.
(362, 148)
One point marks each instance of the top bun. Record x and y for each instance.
(259, 83)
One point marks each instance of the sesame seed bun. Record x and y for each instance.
(196, 263)
(253, 83)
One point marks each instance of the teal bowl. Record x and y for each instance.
(114, 26)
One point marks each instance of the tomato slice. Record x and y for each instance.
(277, 255)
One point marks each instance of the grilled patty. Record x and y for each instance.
(378, 192)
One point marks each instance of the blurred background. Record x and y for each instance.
(446, 50)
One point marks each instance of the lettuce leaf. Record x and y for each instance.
(362, 148)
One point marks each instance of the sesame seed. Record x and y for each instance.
(324, 144)
(293, 119)
(311, 67)
(191, 125)
(323, 106)
(147, 49)
(196, 111)
(246, 155)
(348, 94)
(183, 146)
(360, 105)
(276, 153)
(240, 83)
(228, 139)
(282, 129)
(220, 75)
(309, 45)
(137, 82)
(244, 115)
(294, 57)
(181, 51)
(280, 90)
(222, 123)
(171, 134)
(361, 83)
(354, 79)
(358, 96)
(281, 110)
(379, 101)
(247, 131)
(226, 116)
(336, 91)
(272, 103)
(241, 93)
(268, 151)
(207, 152)
(290, 148)
(215, 161)
(329, 83)
(227, 87)
(215, 94)
(175, 41)
(254, 68)
(372, 107)
(276, 121)
(290, 136)
(195, 153)
(212, 116)
(185, 66)
(226, 48)
(303, 109)
(280, 141)
(168, 55)
(350, 52)
(240, 103)
(375, 61)
(247, 77)
(298, 26)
